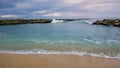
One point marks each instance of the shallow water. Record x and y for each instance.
(68, 37)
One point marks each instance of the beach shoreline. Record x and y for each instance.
(55, 61)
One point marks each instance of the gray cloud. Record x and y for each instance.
(60, 8)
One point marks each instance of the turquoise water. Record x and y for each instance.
(75, 37)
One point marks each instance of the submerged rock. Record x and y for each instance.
(108, 22)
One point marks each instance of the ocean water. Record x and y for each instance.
(75, 37)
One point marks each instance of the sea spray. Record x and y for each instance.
(57, 21)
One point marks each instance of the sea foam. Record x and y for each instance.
(57, 21)
(46, 52)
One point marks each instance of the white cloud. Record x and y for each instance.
(64, 8)
(53, 14)
(29, 4)
(72, 2)
(39, 12)
(23, 5)
(98, 6)
(63, 14)
(8, 16)
(73, 14)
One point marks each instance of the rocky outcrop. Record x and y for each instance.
(108, 22)
(24, 21)
(27, 21)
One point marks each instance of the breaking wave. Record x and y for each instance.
(89, 21)
(42, 51)
(57, 21)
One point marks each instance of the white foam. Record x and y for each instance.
(42, 51)
(89, 22)
(115, 41)
(93, 41)
(57, 21)
(53, 42)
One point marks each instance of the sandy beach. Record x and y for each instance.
(55, 61)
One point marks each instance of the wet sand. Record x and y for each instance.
(55, 61)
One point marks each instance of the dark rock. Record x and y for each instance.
(24, 21)
(108, 22)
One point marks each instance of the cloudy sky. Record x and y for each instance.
(59, 8)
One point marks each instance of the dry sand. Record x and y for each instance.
(55, 61)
